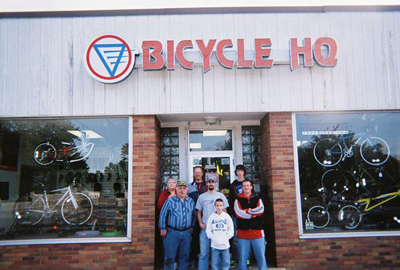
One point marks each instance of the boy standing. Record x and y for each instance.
(219, 229)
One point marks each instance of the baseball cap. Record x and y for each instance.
(182, 184)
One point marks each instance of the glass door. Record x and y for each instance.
(216, 166)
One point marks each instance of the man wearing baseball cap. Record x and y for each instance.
(205, 207)
(235, 189)
(180, 214)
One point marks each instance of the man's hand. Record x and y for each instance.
(202, 226)
(163, 233)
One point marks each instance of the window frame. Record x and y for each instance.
(344, 234)
(82, 240)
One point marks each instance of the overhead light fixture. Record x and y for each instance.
(90, 134)
(211, 120)
(209, 133)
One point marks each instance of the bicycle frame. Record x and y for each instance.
(349, 153)
(68, 192)
(367, 201)
(78, 149)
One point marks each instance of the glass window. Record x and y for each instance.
(349, 171)
(252, 153)
(169, 154)
(63, 178)
(210, 140)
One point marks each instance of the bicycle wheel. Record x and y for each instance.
(339, 182)
(375, 151)
(81, 214)
(350, 216)
(29, 210)
(44, 154)
(328, 152)
(319, 216)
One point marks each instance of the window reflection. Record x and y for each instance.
(349, 171)
(63, 177)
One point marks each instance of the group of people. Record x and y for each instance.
(196, 218)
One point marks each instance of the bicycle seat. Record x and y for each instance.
(66, 143)
(42, 184)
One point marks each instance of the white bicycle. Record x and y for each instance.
(76, 208)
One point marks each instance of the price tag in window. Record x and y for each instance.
(309, 225)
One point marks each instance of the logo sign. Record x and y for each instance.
(109, 59)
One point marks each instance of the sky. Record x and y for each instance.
(67, 5)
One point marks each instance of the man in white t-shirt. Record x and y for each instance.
(205, 207)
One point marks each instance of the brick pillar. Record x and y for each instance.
(278, 168)
(145, 174)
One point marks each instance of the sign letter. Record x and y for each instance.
(180, 53)
(225, 43)
(206, 52)
(262, 46)
(158, 60)
(242, 63)
(330, 60)
(296, 51)
(170, 55)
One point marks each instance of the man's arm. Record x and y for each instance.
(258, 211)
(163, 216)
(241, 213)
(199, 217)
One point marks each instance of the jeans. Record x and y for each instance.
(220, 259)
(258, 246)
(177, 242)
(205, 244)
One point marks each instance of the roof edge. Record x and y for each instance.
(208, 10)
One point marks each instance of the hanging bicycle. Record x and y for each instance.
(46, 153)
(328, 152)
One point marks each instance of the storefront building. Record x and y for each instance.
(97, 110)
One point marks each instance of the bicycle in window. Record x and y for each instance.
(46, 153)
(76, 208)
(352, 215)
(356, 181)
(319, 215)
(329, 151)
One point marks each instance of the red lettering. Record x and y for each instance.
(262, 46)
(330, 60)
(296, 51)
(170, 55)
(152, 60)
(223, 61)
(206, 52)
(242, 62)
(180, 53)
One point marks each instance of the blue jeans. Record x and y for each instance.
(220, 259)
(258, 246)
(205, 244)
(177, 242)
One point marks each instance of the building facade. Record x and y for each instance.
(111, 104)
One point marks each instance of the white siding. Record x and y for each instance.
(42, 71)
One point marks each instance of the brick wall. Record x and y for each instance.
(291, 252)
(139, 254)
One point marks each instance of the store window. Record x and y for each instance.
(251, 153)
(63, 178)
(349, 172)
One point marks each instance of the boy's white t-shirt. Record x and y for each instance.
(219, 229)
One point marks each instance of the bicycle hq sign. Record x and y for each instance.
(109, 58)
